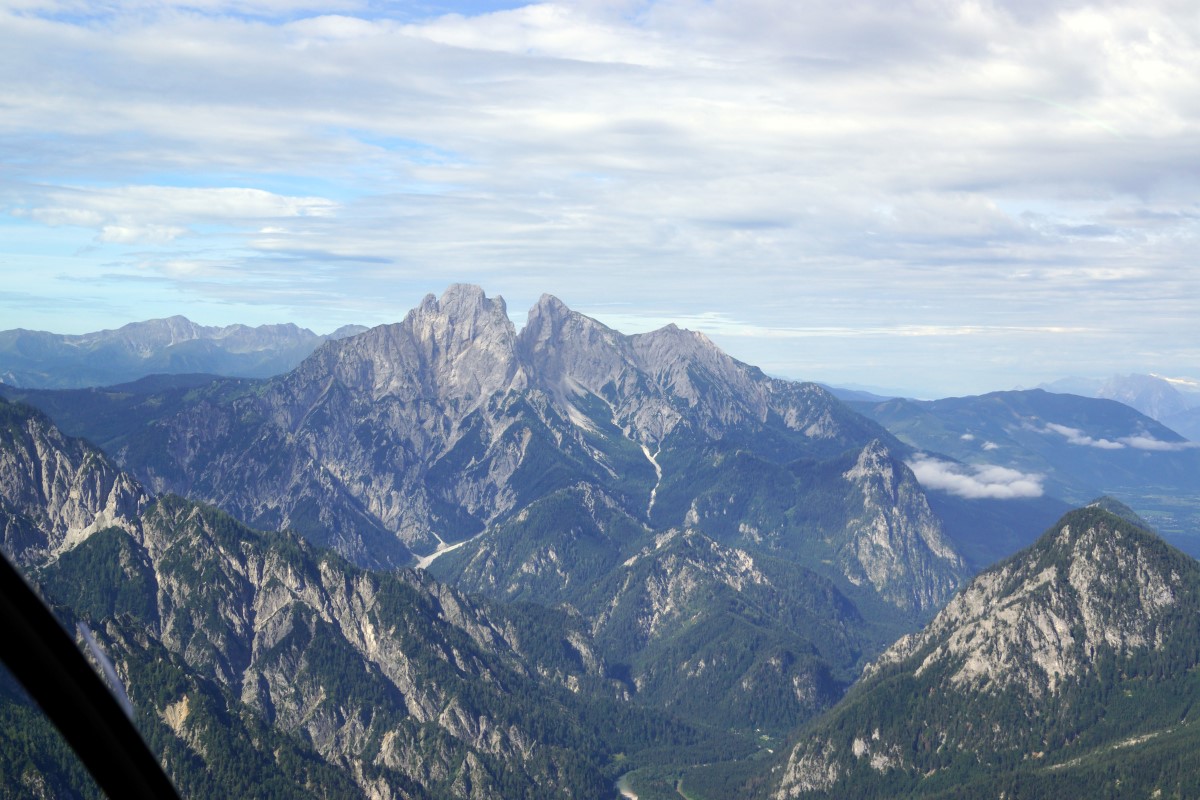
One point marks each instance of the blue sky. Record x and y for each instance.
(942, 196)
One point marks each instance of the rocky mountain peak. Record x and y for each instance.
(467, 343)
(1150, 394)
(1097, 606)
(1093, 584)
(873, 460)
(550, 307)
(462, 314)
(144, 337)
(896, 543)
(56, 491)
(689, 366)
(549, 318)
(568, 350)
(458, 348)
(671, 343)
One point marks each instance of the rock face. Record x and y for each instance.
(391, 678)
(1097, 619)
(1095, 587)
(655, 382)
(341, 448)
(896, 543)
(56, 491)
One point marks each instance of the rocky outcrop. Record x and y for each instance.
(896, 543)
(381, 673)
(232, 642)
(1096, 586)
(1015, 668)
(56, 491)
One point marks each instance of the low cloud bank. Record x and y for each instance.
(1076, 436)
(977, 481)
(1141, 441)
(1145, 442)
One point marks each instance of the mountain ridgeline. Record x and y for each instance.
(409, 437)
(43, 360)
(1069, 669)
(677, 550)
(637, 556)
(259, 666)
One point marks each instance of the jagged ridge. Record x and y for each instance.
(1084, 640)
(426, 432)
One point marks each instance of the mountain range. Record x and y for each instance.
(1175, 402)
(636, 555)
(262, 667)
(423, 434)
(41, 360)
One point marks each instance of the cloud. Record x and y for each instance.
(161, 214)
(899, 181)
(1147, 442)
(974, 482)
(1078, 437)
(1139, 441)
(138, 234)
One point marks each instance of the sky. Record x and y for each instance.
(933, 196)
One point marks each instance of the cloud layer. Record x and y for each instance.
(953, 194)
(975, 482)
(1140, 441)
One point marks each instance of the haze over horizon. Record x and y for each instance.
(939, 197)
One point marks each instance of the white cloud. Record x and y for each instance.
(967, 437)
(1139, 441)
(1147, 442)
(161, 214)
(140, 234)
(1078, 437)
(897, 181)
(978, 481)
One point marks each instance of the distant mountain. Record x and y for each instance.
(1155, 397)
(1068, 670)
(1186, 423)
(1175, 402)
(860, 395)
(37, 359)
(1058, 445)
(638, 554)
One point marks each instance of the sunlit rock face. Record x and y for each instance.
(56, 491)
(1015, 662)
